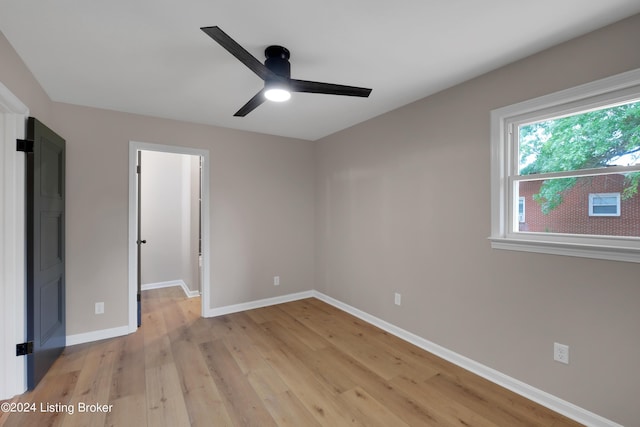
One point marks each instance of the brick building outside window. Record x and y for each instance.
(576, 215)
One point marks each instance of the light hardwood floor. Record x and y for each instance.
(300, 364)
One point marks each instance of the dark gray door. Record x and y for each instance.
(139, 240)
(45, 222)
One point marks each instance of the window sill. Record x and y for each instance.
(625, 253)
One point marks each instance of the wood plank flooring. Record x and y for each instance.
(303, 363)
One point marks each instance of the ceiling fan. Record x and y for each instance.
(276, 73)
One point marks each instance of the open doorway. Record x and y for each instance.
(169, 221)
(169, 242)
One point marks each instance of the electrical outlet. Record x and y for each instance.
(561, 353)
(276, 280)
(398, 299)
(99, 308)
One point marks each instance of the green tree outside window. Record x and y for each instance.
(595, 139)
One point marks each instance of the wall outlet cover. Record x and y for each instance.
(561, 353)
(99, 308)
(398, 299)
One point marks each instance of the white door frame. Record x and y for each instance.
(13, 116)
(134, 147)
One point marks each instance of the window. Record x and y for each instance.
(604, 204)
(575, 157)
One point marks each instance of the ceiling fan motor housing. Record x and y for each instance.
(278, 61)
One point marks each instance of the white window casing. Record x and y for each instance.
(613, 90)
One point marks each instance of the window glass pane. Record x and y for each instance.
(606, 209)
(605, 200)
(600, 138)
(585, 205)
(604, 204)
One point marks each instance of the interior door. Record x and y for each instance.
(45, 223)
(139, 240)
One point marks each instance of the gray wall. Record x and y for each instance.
(261, 210)
(18, 79)
(403, 205)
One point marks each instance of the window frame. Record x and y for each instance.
(504, 165)
(595, 195)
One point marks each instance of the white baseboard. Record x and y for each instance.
(102, 334)
(188, 292)
(219, 311)
(543, 398)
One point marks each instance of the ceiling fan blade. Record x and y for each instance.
(253, 103)
(238, 51)
(328, 88)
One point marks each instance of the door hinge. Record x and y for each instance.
(137, 168)
(24, 145)
(24, 348)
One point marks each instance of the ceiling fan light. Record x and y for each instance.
(277, 91)
(277, 94)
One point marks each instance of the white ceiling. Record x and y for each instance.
(150, 56)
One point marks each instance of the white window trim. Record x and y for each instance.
(617, 88)
(594, 195)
